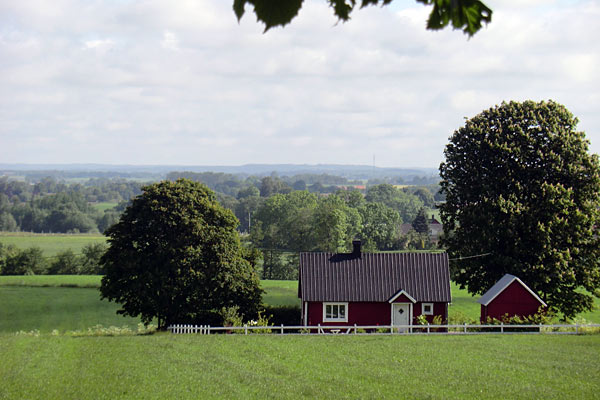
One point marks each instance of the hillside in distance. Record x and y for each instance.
(160, 171)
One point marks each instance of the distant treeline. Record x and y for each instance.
(31, 261)
(46, 204)
(51, 206)
(34, 176)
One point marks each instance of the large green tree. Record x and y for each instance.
(175, 255)
(468, 15)
(523, 191)
(380, 226)
(334, 224)
(419, 224)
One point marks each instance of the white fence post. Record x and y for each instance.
(465, 327)
(501, 327)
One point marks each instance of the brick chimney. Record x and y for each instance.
(356, 248)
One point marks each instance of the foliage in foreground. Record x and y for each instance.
(175, 255)
(522, 193)
(467, 15)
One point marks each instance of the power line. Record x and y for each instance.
(466, 257)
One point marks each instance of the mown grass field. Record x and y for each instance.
(51, 244)
(292, 367)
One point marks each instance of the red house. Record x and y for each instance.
(373, 288)
(509, 296)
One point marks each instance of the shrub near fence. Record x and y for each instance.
(283, 315)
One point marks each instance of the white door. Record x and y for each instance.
(400, 315)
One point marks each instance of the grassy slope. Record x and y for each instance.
(291, 367)
(283, 293)
(51, 244)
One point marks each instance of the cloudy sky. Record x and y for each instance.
(181, 82)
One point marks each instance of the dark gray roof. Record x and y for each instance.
(499, 287)
(374, 276)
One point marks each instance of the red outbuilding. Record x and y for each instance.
(509, 296)
(373, 288)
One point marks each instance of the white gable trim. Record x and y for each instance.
(400, 293)
(497, 290)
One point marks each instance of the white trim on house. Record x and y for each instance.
(305, 303)
(338, 318)
(500, 286)
(400, 293)
(423, 312)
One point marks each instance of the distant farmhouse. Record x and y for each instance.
(436, 228)
(373, 288)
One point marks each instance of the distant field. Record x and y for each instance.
(82, 281)
(103, 206)
(295, 367)
(51, 244)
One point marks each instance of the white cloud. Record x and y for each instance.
(99, 44)
(170, 41)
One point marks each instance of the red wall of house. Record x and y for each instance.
(371, 313)
(358, 313)
(514, 300)
(438, 309)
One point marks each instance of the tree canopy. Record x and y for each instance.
(467, 15)
(175, 255)
(406, 204)
(523, 192)
(419, 224)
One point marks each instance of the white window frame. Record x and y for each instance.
(335, 319)
(423, 312)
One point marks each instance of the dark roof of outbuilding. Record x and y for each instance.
(374, 277)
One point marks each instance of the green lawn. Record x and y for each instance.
(51, 244)
(292, 367)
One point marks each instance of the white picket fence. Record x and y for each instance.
(464, 329)
(201, 329)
